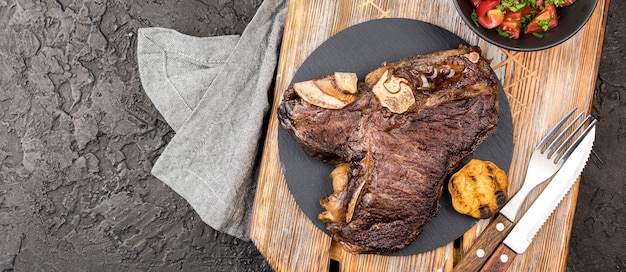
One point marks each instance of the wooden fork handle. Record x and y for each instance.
(484, 246)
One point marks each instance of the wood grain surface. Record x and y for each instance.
(486, 243)
(541, 87)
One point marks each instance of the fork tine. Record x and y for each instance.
(563, 144)
(569, 151)
(558, 138)
(578, 140)
(555, 129)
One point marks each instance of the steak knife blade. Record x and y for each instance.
(499, 226)
(524, 231)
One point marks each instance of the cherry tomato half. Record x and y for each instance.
(492, 19)
(545, 20)
(485, 6)
(512, 28)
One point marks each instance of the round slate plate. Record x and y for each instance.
(361, 49)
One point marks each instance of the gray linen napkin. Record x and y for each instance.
(213, 92)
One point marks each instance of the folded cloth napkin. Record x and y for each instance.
(213, 92)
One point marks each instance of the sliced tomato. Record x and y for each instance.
(526, 10)
(513, 16)
(492, 19)
(547, 17)
(512, 28)
(512, 25)
(486, 6)
(518, 16)
(476, 3)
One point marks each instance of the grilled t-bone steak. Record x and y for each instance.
(394, 140)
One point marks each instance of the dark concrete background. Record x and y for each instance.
(78, 137)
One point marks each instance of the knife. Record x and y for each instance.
(524, 231)
(500, 225)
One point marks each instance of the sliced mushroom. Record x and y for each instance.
(425, 83)
(346, 82)
(327, 93)
(434, 74)
(374, 76)
(394, 93)
(473, 57)
(394, 84)
(447, 71)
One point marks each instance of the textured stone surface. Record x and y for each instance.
(78, 137)
(598, 241)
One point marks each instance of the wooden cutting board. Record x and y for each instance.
(540, 86)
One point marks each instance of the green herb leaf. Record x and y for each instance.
(544, 24)
(555, 2)
(506, 3)
(504, 33)
(474, 17)
(510, 4)
(526, 19)
(538, 35)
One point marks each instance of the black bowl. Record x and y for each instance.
(571, 19)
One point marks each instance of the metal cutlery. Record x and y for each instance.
(524, 231)
(547, 158)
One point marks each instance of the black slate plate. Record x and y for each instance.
(361, 49)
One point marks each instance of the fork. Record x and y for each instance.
(545, 160)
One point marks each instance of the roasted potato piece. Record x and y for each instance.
(478, 189)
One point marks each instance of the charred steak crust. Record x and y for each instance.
(397, 162)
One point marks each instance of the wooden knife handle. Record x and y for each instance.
(484, 246)
(500, 260)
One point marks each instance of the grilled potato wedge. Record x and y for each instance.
(478, 189)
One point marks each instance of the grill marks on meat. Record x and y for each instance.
(397, 163)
